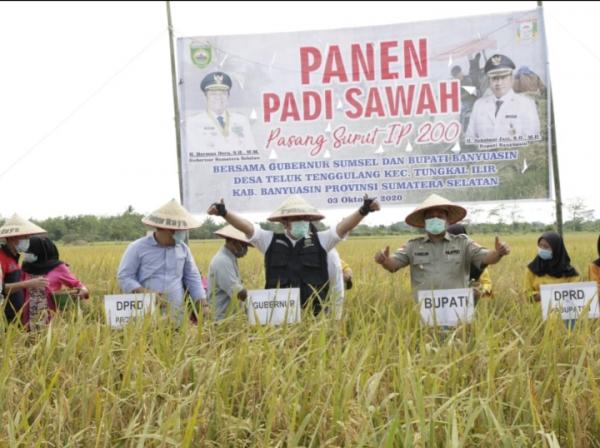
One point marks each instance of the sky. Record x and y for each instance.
(87, 119)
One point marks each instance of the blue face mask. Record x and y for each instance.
(299, 229)
(435, 226)
(179, 236)
(544, 254)
(22, 246)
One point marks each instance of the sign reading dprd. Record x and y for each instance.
(570, 299)
(121, 308)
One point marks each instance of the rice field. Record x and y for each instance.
(376, 378)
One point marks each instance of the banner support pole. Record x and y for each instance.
(554, 152)
(175, 100)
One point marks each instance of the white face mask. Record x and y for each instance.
(22, 246)
(29, 258)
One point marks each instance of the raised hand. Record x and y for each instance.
(501, 247)
(369, 205)
(383, 255)
(217, 209)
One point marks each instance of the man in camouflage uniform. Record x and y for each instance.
(439, 260)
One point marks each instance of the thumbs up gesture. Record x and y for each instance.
(217, 208)
(501, 247)
(383, 255)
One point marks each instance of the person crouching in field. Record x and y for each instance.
(224, 280)
(296, 258)
(552, 264)
(162, 263)
(439, 260)
(41, 260)
(479, 277)
(16, 232)
(594, 267)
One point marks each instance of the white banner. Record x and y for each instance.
(121, 308)
(457, 107)
(447, 307)
(570, 299)
(273, 306)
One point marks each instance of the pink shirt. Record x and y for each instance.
(58, 277)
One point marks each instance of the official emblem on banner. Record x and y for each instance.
(527, 29)
(201, 53)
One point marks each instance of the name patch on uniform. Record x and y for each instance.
(510, 116)
(453, 251)
(421, 254)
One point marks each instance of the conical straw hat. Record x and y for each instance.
(231, 232)
(171, 216)
(17, 226)
(455, 212)
(296, 207)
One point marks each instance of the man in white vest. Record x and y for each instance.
(297, 258)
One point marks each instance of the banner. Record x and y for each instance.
(456, 107)
(570, 299)
(273, 306)
(121, 308)
(447, 307)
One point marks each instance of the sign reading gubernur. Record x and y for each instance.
(447, 307)
(273, 306)
(457, 107)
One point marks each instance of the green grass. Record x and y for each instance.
(376, 378)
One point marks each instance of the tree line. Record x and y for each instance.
(128, 227)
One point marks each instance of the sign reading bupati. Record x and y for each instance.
(570, 299)
(446, 307)
(121, 308)
(398, 111)
(273, 306)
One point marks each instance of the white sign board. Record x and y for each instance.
(446, 307)
(570, 299)
(273, 306)
(121, 308)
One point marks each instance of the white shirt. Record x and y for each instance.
(336, 282)
(203, 133)
(261, 239)
(516, 117)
